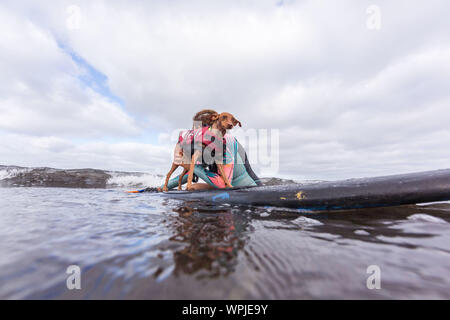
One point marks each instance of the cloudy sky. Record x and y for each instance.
(343, 88)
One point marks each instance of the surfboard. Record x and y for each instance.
(393, 190)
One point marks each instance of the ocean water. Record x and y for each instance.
(144, 246)
(147, 247)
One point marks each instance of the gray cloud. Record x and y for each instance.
(40, 92)
(348, 101)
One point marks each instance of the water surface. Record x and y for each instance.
(143, 246)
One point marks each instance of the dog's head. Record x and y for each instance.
(204, 118)
(226, 121)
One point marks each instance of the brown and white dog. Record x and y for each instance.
(220, 122)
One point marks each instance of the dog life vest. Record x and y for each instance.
(236, 167)
(205, 139)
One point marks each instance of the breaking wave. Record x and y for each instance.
(14, 176)
(11, 172)
(134, 180)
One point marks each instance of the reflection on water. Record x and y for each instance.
(212, 238)
(147, 247)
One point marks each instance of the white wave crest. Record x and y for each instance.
(11, 172)
(426, 218)
(138, 180)
(304, 221)
(361, 233)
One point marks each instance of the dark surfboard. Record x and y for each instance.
(430, 186)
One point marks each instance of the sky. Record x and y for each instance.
(323, 89)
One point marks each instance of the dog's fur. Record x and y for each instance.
(179, 160)
(221, 122)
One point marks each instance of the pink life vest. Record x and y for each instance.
(203, 135)
(205, 139)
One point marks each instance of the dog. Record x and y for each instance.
(182, 157)
(179, 159)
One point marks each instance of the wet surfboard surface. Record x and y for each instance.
(393, 190)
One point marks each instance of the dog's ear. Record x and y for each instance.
(235, 122)
(214, 117)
